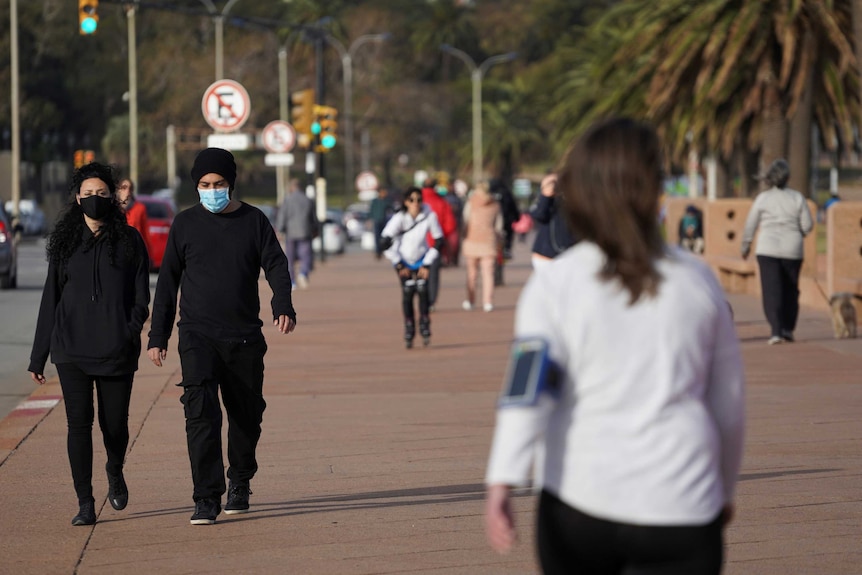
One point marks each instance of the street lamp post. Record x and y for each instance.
(476, 75)
(218, 18)
(14, 102)
(346, 56)
(133, 93)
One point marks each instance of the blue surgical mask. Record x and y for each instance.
(215, 200)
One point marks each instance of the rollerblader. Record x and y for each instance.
(407, 249)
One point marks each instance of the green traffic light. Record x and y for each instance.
(315, 128)
(89, 25)
(328, 141)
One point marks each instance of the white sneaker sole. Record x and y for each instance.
(202, 521)
(235, 511)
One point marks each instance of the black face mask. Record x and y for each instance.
(96, 207)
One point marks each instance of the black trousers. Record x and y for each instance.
(235, 368)
(434, 281)
(779, 282)
(573, 542)
(114, 394)
(410, 288)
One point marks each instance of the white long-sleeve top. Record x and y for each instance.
(648, 428)
(409, 243)
(784, 220)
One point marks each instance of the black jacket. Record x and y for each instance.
(553, 236)
(92, 311)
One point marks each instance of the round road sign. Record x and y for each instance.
(278, 137)
(366, 181)
(226, 105)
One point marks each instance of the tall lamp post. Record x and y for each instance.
(476, 75)
(218, 18)
(133, 92)
(346, 56)
(282, 173)
(16, 122)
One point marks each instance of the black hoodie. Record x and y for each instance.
(93, 311)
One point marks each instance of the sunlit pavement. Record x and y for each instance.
(372, 456)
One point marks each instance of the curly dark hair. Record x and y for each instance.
(68, 234)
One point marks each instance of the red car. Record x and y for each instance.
(160, 216)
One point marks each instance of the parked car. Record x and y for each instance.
(160, 216)
(8, 252)
(30, 216)
(333, 232)
(355, 221)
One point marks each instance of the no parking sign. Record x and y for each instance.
(226, 105)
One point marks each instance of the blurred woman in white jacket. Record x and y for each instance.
(643, 439)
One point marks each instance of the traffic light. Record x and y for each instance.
(326, 119)
(88, 16)
(302, 111)
(78, 159)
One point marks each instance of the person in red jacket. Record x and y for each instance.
(136, 212)
(441, 207)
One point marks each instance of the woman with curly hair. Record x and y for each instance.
(94, 305)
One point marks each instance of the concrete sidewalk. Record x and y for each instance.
(372, 456)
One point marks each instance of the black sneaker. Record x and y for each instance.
(118, 493)
(237, 498)
(86, 514)
(206, 511)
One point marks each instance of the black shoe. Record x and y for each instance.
(86, 514)
(237, 498)
(206, 511)
(787, 336)
(118, 493)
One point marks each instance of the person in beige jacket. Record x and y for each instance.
(483, 229)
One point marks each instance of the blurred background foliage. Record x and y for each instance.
(724, 78)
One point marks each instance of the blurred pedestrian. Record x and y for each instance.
(94, 305)
(643, 421)
(407, 248)
(297, 222)
(784, 220)
(483, 236)
(446, 220)
(553, 235)
(215, 251)
(136, 212)
(452, 244)
(379, 212)
(511, 213)
(691, 230)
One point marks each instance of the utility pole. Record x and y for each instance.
(320, 180)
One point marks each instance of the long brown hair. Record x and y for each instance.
(611, 181)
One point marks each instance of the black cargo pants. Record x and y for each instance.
(236, 368)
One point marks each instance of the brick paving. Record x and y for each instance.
(372, 456)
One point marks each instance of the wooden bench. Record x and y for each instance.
(734, 274)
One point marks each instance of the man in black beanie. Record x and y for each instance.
(217, 249)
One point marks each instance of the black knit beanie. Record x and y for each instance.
(214, 161)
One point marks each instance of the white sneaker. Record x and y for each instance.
(774, 340)
(488, 307)
(466, 305)
(302, 281)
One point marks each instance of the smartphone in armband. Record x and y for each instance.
(530, 373)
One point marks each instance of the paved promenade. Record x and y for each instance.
(372, 456)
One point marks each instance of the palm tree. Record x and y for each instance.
(720, 74)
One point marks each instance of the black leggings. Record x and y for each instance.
(410, 286)
(572, 542)
(114, 394)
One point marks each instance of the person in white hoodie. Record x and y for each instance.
(404, 239)
(784, 220)
(642, 438)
